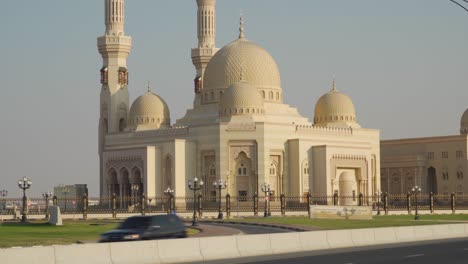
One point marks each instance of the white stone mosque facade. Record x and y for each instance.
(238, 130)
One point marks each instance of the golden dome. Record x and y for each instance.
(241, 98)
(464, 123)
(256, 64)
(149, 111)
(335, 109)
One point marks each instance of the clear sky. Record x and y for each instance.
(404, 63)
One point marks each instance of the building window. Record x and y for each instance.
(212, 171)
(104, 75)
(430, 155)
(242, 170)
(272, 169)
(460, 175)
(445, 176)
(445, 154)
(242, 196)
(198, 84)
(123, 76)
(459, 154)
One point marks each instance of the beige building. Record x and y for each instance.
(239, 129)
(437, 164)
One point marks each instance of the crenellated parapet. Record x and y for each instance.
(329, 130)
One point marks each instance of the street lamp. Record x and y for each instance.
(378, 194)
(195, 185)
(415, 191)
(4, 194)
(24, 184)
(169, 192)
(46, 196)
(266, 188)
(219, 185)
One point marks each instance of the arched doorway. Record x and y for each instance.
(124, 182)
(112, 185)
(137, 188)
(243, 176)
(348, 188)
(432, 180)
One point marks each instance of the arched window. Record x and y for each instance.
(105, 126)
(277, 96)
(122, 125)
(242, 170)
(212, 170)
(263, 94)
(271, 95)
(272, 168)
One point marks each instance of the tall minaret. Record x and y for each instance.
(114, 48)
(206, 28)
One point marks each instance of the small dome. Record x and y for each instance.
(241, 98)
(464, 123)
(149, 111)
(335, 109)
(257, 65)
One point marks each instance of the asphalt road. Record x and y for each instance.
(432, 252)
(252, 229)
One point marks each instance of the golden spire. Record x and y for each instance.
(241, 26)
(149, 87)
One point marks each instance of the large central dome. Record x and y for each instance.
(242, 57)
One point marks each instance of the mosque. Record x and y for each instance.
(238, 130)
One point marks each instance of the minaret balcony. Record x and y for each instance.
(114, 40)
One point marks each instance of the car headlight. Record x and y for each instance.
(132, 236)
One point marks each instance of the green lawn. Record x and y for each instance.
(378, 221)
(40, 233)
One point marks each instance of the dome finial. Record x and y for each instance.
(334, 84)
(149, 86)
(241, 26)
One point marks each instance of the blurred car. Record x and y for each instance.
(147, 227)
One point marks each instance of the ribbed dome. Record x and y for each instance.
(464, 123)
(149, 111)
(335, 109)
(241, 98)
(242, 56)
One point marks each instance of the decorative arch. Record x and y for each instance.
(305, 176)
(432, 180)
(244, 181)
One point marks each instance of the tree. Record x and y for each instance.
(460, 5)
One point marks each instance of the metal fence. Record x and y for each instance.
(256, 205)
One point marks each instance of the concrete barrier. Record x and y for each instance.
(211, 248)
(86, 253)
(254, 245)
(125, 253)
(316, 240)
(179, 250)
(214, 248)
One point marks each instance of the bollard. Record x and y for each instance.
(143, 203)
(431, 202)
(308, 203)
(85, 207)
(386, 203)
(453, 199)
(228, 205)
(408, 202)
(114, 206)
(283, 204)
(200, 205)
(255, 200)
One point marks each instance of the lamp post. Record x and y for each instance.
(4, 194)
(219, 185)
(46, 196)
(266, 188)
(195, 185)
(378, 194)
(24, 184)
(169, 192)
(415, 190)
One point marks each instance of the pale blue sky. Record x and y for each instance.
(403, 62)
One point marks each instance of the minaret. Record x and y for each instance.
(114, 48)
(206, 28)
